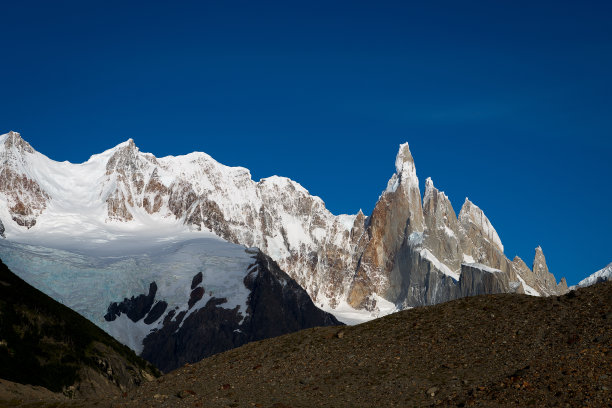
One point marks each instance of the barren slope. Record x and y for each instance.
(494, 350)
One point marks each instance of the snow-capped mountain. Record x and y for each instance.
(601, 275)
(411, 251)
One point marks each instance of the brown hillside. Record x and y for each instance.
(496, 350)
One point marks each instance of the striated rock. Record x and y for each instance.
(545, 280)
(397, 214)
(477, 279)
(477, 225)
(443, 229)
(2, 229)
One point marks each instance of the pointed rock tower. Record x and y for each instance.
(397, 214)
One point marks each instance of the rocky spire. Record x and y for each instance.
(442, 234)
(539, 263)
(403, 188)
(562, 287)
(475, 222)
(546, 281)
(397, 214)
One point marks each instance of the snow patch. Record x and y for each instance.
(528, 289)
(425, 253)
(346, 314)
(602, 274)
(468, 259)
(482, 267)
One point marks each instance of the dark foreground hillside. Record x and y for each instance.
(496, 350)
(53, 349)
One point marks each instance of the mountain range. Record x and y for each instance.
(143, 245)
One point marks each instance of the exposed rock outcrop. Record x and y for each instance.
(25, 198)
(477, 279)
(136, 308)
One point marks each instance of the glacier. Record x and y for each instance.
(89, 281)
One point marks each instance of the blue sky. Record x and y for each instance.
(506, 102)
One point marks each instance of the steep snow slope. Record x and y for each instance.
(601, 275)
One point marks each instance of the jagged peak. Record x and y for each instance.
(429, 190)
(471, 213)
(404, 159)
(124, 155)
(127, 144)
(539, 254)
(539, 262)
(405, 172)
(429, 182)
(12, 140)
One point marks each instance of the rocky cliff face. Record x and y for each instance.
(276, 305)
(420, 255)
(410, 250)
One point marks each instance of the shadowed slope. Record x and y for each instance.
(44, 343)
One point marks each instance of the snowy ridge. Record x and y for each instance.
(426, 254)
(109, 204)
(124, 191)
(483, 267)
(603, 274)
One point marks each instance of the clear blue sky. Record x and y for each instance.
(506, 102)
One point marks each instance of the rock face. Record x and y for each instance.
(135, 308)
(24, 197)
(409, 251)
(43, 342)
(479, 279)
(276, 305)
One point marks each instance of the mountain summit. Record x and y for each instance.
(410, 251)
